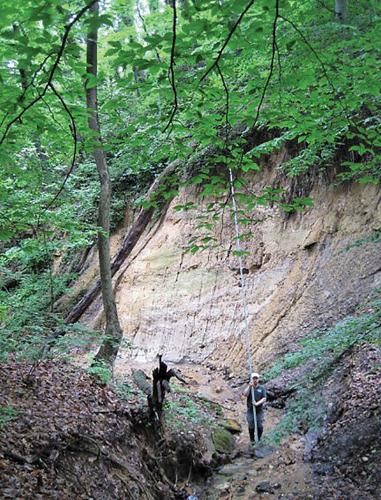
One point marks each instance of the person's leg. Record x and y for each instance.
(250, 423)
(251, 433)
(260, 424)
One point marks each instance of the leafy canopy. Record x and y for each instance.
(176, 78)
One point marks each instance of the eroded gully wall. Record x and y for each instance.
(300, 275)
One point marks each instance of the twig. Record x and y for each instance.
(325, 73)
(31, 83)
(52, 71)
(73, 129)
(145, 29)
(52, 116)
(273, 51)
(171, 70)
(220, 52)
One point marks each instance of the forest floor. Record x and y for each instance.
(341, 461)
(62, 435)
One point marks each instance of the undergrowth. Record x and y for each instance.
(101, 371)
(184, 411)
(7, 413)
(319, 353)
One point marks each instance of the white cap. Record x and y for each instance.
(255, 375)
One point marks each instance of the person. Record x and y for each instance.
(259, 400)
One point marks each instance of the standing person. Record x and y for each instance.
(259, 400)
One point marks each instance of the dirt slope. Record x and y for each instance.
(64, 436)
(302, 271)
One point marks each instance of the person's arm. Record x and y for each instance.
(246, 392)
(262, 400)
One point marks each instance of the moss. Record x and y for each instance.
(223, 440)
(231, 425)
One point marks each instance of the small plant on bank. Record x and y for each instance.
(184, 410)
(326, 345)
(100, 371)
(124, 391)
(7, 414)
(26, 317)
(305, 411)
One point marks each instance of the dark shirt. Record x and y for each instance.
(259, 393)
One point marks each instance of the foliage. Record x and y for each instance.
(184, 410)
(100, 370)
(328, 344)
(27, 316)
(374, 237)
(304, 411)
(289, 75)
(7, 413)
(28, 319)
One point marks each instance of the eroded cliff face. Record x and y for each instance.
(303, 272)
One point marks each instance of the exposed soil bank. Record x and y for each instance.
(303, 271)
(64, 436)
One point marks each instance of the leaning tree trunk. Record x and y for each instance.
(130, 240)
(110, 346)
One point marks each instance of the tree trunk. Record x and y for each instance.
(341, 9)
(130, 240)
(110, 346)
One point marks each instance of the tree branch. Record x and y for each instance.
(325, 73)
(51, 112)
(220, 52)
(73, 129)
(31, 83)
(52, 70)
(171, 70)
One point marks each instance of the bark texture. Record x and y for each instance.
(110, 345)
(341, 9)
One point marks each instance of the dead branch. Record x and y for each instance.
(171, 70)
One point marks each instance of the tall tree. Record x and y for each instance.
(110, 345)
